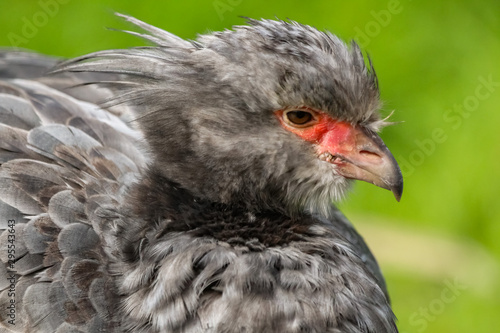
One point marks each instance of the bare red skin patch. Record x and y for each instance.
(330, 135)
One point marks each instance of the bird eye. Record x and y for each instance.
(299, 118)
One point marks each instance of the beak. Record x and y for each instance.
(361, 154)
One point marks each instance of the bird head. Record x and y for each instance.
(271, 112)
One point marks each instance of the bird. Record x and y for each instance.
(191, 185)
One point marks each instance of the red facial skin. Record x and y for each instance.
(328, 134)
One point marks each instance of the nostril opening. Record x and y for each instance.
(368, 153)
(369, 156)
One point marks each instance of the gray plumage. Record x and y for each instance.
(160, 194)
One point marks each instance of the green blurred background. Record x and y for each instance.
(438, 67)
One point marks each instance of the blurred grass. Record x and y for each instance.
(429, 56)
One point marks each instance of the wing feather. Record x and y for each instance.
(58, 155)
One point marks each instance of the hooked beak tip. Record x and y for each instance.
(397, 190)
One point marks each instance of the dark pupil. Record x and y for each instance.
(299, 117)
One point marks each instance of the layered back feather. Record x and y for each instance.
(59, 157)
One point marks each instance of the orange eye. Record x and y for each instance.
(299, 118)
